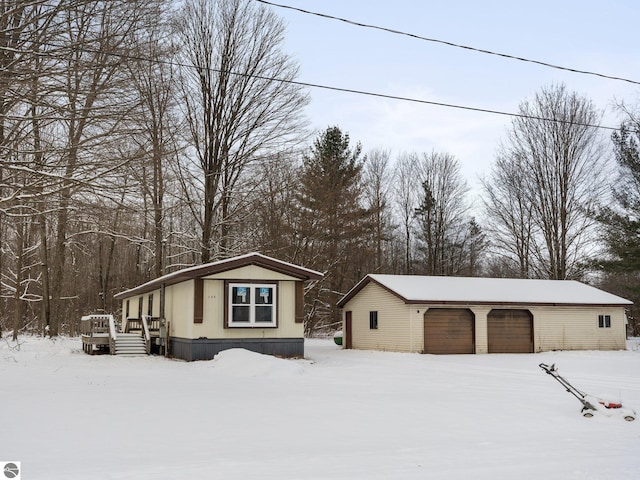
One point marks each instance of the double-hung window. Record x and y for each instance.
(252, 305)
(604, 321)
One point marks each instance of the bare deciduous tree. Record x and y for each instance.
(239, 101)
(441, 214)
(154, 82)
(553, 154)
(510, 216)
(273, 225)
(377, 183)
(407, 197)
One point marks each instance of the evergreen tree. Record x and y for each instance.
(334, 225)
(621, 236)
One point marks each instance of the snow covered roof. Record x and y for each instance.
(477, 290)
(198, 271)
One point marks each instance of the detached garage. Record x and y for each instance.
(457, 315)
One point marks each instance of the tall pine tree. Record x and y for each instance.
(621, 234)
(622, 238)
(334, 225)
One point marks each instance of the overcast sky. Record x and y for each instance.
(586, 35)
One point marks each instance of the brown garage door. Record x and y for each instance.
(449, 330)
(510, 331)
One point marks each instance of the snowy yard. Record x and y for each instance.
(335, 415)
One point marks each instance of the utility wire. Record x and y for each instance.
(172, 63)
(448, 105)
(451, 44)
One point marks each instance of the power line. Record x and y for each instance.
(173, 63)
(451, 44)
(447, 105)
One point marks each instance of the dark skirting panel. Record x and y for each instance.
(206, 348)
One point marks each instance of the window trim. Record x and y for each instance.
(373, 320)
(251, 285)
(604, 321)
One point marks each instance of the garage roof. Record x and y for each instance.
(478, 290)
(198, 271)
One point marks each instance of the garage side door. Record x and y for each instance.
(449, 330)
(510, 331)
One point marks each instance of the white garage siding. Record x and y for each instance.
(560, 328)
(398, 329)
(576, 328)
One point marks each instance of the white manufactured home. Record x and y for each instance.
(453, 315)
(252, 301)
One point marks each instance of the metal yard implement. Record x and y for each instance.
(590, 405)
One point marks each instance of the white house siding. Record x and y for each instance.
(179, 308)
(134, 303)
(180, 314)
(155, 307)
(398, 328)
(250, 272)
(133, 307)
(213, 322)
(576, 328)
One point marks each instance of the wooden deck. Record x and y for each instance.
(100, 335)
(96, 333)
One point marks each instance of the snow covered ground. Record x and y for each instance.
(335, 415)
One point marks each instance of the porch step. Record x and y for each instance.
(130, 344)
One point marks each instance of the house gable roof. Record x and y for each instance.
(487, 291)
(220, 266)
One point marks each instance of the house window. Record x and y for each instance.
(252, 305)
(140, 307)
(150, 306)
(604, 321)
(126, 315)
(373, 320)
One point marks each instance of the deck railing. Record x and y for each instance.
(112, 335)
(132, 324)
(147, 335)
(99, 330)
(148, 326)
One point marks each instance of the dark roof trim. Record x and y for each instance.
(301, 273)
